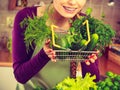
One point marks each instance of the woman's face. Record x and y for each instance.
(68, 8)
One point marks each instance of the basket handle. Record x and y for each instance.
(88, 31)
(53, 36)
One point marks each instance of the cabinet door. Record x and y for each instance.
(17, 4)
(12, 4)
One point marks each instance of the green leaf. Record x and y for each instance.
(77, 83)
(36, 30)
(89, 11)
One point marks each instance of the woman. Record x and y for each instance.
(28, 66)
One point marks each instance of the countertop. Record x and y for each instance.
(7, 80)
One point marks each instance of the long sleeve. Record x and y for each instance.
(93, 68)
(25, 66)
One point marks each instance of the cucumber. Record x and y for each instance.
(75, 46)
(92, 44)
(82, 43)
(78, 45)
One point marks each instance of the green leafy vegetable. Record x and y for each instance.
(77, 83)
(36, 30)
(104, 31)
(88, 11)
(111, 82)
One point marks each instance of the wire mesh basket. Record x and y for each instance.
(69, 55)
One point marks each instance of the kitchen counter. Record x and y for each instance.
(114, 53)
(7, 80)
(115, 48)
(114, 57)
(113, 63)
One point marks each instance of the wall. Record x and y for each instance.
(6, 24)
(112, 15)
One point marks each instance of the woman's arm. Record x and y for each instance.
(25, 66)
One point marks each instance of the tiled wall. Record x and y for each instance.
(112, 15)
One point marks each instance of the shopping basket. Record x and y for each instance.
(67, 54)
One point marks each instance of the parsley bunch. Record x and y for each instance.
(103, 30)
(36, 30)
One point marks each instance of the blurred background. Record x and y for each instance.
(110, 9)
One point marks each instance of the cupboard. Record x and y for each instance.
(17, 4)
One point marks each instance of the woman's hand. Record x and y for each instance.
(91, 58)
(50, 52)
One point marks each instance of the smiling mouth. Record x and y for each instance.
(69, 9)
